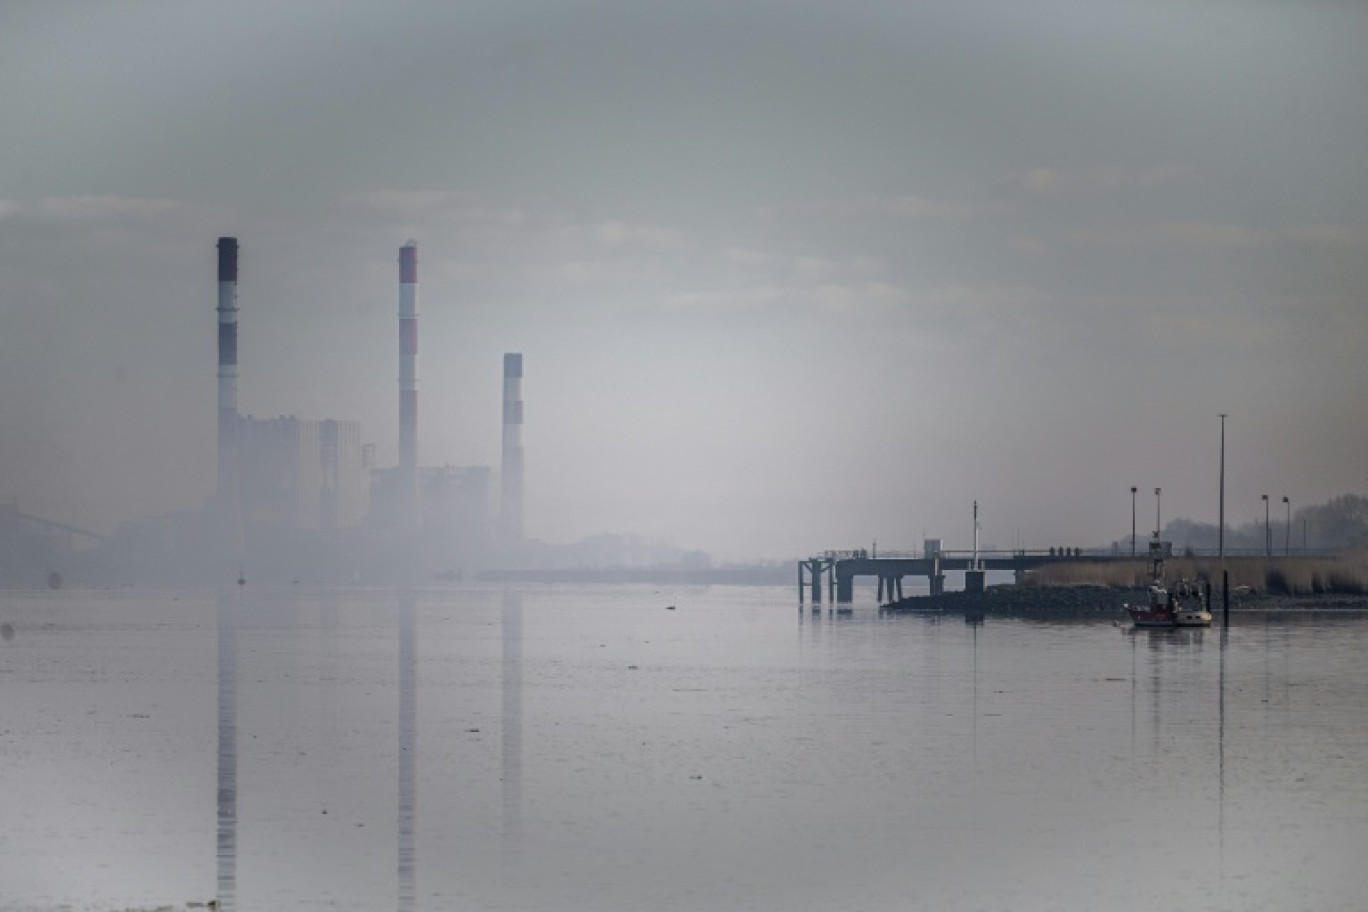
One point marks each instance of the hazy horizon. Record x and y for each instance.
(785, 279)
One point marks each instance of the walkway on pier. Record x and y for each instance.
(840, 568)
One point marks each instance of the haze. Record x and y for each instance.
(785, 278)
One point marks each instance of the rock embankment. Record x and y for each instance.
(1028, 601)
(1101, 601)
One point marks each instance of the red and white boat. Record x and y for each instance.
(1180, 607)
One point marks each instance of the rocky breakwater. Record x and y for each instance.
(1027, 601)
(1092, 601)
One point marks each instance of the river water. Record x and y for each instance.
(570, 748)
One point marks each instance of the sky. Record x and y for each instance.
(786, 277)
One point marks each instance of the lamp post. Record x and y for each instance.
(1220, 538)
(1132, 520)
(1158, 527)
(1268, 533)
(1287, 529)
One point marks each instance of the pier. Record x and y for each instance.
(839, 569)
(836, 571)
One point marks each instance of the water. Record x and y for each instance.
(588, 749)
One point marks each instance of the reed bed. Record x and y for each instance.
(1345, 575)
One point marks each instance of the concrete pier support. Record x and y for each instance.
(814, 568)
(890, 588)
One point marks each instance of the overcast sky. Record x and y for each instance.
(786, 276)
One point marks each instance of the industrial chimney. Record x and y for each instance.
(408, 384)
(226, 489)
(511, 470)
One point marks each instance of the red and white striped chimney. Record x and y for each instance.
(408, 383)
(511, 469)
(226, 488)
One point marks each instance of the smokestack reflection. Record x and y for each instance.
(512, 731)
(408, 736)
(225, 854)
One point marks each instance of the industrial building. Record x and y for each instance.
(301, 473)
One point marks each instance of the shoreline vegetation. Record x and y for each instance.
(1094, 589)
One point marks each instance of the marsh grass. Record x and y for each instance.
(1346, 574)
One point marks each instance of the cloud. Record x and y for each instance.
(1107, 178)
(101, 208)
(1209, 235)
(1202, 235)
(623, 234)
(601, 272)
(751, 298)
(1030, 246)
(746, 257)
(1330, 235)
(908, 207)
(1219, 236)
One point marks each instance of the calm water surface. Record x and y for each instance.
(588, 749)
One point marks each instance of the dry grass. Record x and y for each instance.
(1347, 574)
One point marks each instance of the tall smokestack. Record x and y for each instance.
(511, 472)
(226, 489)
(408, 383)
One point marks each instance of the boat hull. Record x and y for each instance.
(1192, 619)
(1154, 617)
(1144, 617)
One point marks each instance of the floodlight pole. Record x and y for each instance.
(1158, 526)
(1268, 531)
(1132, 520)
(1221, 535)
(1287, 529)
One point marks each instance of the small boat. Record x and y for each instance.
(1179, 607)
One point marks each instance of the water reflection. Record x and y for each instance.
(511, 765)
(1040, 759)
(408, 737)
(225, 854)
(1220, 746)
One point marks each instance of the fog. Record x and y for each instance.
(784, 279)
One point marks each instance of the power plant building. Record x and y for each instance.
(455, 505)
(300, 473)
(304, 475)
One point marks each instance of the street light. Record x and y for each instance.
(1220, 539)
(1268, 532)
(1158, 527)
(1287, 529)
(1132, 520)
